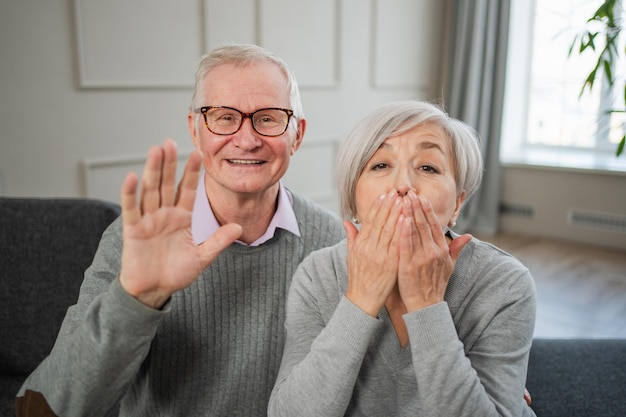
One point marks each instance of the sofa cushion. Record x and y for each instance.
(9, 386)
(45, 247)
(578, 378)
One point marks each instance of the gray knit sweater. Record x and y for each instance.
(213, 350)
(466, 356)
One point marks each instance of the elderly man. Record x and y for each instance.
(182, 311)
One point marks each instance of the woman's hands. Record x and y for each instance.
(159, 256)
(401, 243)
(373, 254)
(426, 260)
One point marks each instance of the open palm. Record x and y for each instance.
(159, 256)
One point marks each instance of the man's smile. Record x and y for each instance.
(244, 162)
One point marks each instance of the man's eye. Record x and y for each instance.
(269, 118)
(226, 117)
(223, 116)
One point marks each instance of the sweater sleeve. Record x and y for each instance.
(321, 360)
(487, 377)
(103, 340)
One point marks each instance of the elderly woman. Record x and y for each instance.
(405, 317)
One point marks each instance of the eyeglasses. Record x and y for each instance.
(223, 120)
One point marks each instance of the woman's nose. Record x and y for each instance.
(403, 190)
(403, 183)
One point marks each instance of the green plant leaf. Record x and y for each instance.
(605, 10)
(608, 72)
(588, 82)
(587, 41)
(620, 146)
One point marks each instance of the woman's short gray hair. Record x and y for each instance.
(396, 118)
(242, 55)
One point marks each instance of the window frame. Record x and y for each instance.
(514, 147)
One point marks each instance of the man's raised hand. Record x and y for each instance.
(159, 256)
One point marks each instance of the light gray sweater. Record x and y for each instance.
(214, 349)
(466, 356)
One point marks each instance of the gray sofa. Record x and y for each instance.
(578, 377)
(46, 244)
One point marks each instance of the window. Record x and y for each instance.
(546, 121)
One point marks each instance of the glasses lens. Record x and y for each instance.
(270, 122)
(223, 121)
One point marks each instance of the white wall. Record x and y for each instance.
(543, 199)
(99, 82)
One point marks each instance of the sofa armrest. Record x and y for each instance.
(46, 245)
(578, 377)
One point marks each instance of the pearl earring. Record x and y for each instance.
(452, 223)
(355, 220)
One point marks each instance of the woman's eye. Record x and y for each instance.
(428, 168)
(379, 166)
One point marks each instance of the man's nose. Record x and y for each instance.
(247, 138)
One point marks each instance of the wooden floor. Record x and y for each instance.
(581, 290)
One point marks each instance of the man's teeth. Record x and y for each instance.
(243, 161)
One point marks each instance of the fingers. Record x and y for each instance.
(434, 230)
(351, 232)
(219, 241)
(429, 229)
(425, 221)
(407, 249)
(186, 193)
(417, 214)
(393, 209)
(457, 245)
(380, 223)
(151, 180)
(369, 218)
(168, 176)
(527, 396)
(158, 181)
(373, 254)
(128, 200)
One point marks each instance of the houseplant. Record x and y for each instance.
(601, 37)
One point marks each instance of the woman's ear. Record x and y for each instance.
(460, 199)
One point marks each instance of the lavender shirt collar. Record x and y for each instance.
(204, 223)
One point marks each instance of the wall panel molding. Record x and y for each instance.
(407, 39)
(232, 21)
(307, 36)
(139, 43)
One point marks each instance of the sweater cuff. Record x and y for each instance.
(128, 312)
(430, 327)
(352, 326)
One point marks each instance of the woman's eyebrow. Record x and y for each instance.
(425, 144)
(432, 145)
